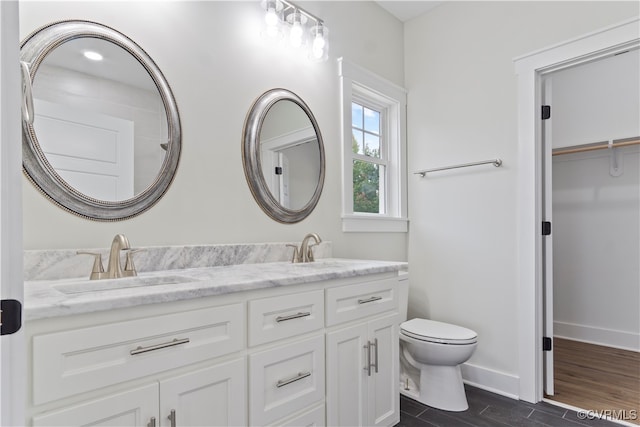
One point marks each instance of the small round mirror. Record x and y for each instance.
(283, 156)
(104, 142)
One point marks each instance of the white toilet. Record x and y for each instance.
(430, 357)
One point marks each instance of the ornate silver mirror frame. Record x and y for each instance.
(38, 169)
(252, 162)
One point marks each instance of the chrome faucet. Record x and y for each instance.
(114, 267)
(305, 253)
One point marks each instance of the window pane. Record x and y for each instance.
(372, 121)
(356, 115)
(358, 142)
(368, 183)
(371, 145)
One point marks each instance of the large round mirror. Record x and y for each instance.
(102, 136)
(283, 156)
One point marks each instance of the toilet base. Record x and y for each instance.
(440, 387)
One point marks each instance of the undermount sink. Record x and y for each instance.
(122, 283)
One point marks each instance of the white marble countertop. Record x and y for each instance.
(52, 298)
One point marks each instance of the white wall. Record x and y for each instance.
(596, 216)
(213, 58)
(462, 107)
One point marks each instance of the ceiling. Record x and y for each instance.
(406, 10)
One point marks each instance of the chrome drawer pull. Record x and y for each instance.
(298, 377)
(292, 316)
(175, 341)
(375, 344)
(172, 418)
(368, 366)
(372, 299)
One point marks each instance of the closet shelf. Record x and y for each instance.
(597, 146)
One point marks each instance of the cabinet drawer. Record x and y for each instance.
(311, 418)
(284, 316)
(285, 379)
(72, 362)
(346, 303)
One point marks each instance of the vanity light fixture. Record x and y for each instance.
(283, 16)
(94, 56)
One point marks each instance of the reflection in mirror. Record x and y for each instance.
(101, 121)
(106, 139)
(283, 156)
(290, 154)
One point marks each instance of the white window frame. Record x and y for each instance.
(364, 87)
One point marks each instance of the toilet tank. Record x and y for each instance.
(403, 294)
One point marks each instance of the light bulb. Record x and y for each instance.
(319, 42)
(295, 35)
(317, 53)
(272, 32)
(271, 18)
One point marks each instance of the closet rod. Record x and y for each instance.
(603, 146)
(494, 162)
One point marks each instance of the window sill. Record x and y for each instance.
(374, 224)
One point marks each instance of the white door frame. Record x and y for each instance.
(12, 347)
(529, 69)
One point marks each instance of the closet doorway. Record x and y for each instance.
(591, 144)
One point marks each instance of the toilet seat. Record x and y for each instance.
(438, 332)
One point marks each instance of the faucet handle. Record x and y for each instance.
(129, 266)
(97, 271)
(295, 258)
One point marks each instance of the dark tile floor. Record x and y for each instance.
(492, 410)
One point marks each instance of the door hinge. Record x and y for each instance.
(547, 343)
(278, 170)
(546, 228)
(10, 316)
(546, 112)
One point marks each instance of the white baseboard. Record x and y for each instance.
(600, 336)
(494, 381)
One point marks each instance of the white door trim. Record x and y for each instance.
(12, 347)
(529, 69)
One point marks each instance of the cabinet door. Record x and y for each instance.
(384, 397)
(347, 377)
(213, 396)
(133, 408)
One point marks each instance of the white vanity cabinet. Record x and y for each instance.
(207, 397)
(362, 358)
(320, 353)
(214, 396)
(131, 408)
(98, 359)
(286, 377)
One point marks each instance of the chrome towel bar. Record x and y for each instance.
(495, 162)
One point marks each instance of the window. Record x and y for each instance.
(369, 158)
(374, 154)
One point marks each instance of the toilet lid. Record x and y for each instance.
(430, 330)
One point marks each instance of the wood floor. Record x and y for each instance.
(597, 378)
